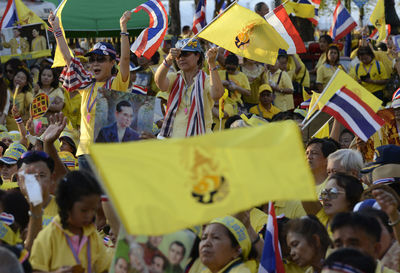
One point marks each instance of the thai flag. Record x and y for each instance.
(10, 15)
(223, 7)
(137, 89)
(316, 4)
(281, 22)
(375, 33)
(353, 113)
(305, 104)
(271, 259)
(199, 19)
(150, 39)
(342, 23)
(6, 218)
(396, 95)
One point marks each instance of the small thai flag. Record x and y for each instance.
(10, 16)
(396, 95)
(375, 33)
(199, 19)
(305, 104)
(106, 240)
(6, 218)
(271, 259)
(151, 38)
(353, 113)
(316, 4)
(342, 23)
(137, 89)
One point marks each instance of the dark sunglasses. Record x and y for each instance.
(185, 53)
(330, 194)
(37, 153)
(99, 59)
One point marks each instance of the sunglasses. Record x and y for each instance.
(98, 58)
(36, 153)
(331, 193)
(185, 53)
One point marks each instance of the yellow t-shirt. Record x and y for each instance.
(291, 267)
(50, 211)
(72, 109)
(380, 268)
(325, 73)
(87, 119)
(373, 70)
(283, 101)
(291, 209)
(240, 79)
(39, 43)
(50, 250)
(23, 101)
(181, 118)
(240, 268)
(381, 56)
(291, 67)
(321, 60)
(230, 109)
(262, 112)
(255, 78)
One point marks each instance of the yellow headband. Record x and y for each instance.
(238, 230)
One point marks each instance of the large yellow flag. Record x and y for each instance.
(58, 57)
(378, 19)
(161, 186)
(245, 33)
(27, 16)
(340, 79)
(300, 10)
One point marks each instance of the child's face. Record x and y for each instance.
(83, 211)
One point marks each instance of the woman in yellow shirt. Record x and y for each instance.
(324, 42)
(38, 42)
(326, 70)
(254, 72)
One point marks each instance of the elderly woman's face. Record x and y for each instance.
(215, 247)
(301, 252)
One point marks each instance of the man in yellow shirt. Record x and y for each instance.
(265, 108)
(17, 44)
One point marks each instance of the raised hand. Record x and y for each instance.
(211, 56)
(124, 20)
(57, 123)
(54, 21)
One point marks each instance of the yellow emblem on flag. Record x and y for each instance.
(39, 106)
(378, 19)
(27, 16)
(245, 33)
(159, 187)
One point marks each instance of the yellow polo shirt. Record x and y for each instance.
(283, 101)
(50, 250)
(373, 70)
(262, 112)
(87, 119)
(255, 78)
(325, 73)
(291, 69)
(240, 79)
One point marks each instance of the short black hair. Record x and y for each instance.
(365, 50)
(55, 81)
(327, 38)
(122, 103)
(185, 28)
(351, 257)
(178, 243)
(351, 185)
(14, 202)
(72, 188)
(258, 6)
(232, 59)
(35, 156)
(378, 214)
(358, 221)
(28, 85)
(327, 147)
(165, 263)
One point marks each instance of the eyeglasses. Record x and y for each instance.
(331, 193)
(36, 153)
(185, 53)
(98, 58)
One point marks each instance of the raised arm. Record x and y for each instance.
(124, 60)
(217, 89)
(61, 42)
(160, 77)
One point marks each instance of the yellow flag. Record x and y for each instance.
(300, 10)
(378, 19)
(221, 104)
(27, 16)
(58, 57)
(161, 186)
(311, 108)
(245, 33)
(340, 79)
(323, 131)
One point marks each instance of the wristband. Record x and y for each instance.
(58, 33)
(166, 64)
(104, 198)
(18, 120)
(391, 224)
(214, 68)
(125, 34)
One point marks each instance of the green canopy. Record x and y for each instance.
(100, 18)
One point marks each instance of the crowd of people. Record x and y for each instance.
(54, 218)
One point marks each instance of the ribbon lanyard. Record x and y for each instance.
(369, 69)
(107, 85)
(78, 261)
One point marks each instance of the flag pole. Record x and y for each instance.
(310, 120)
(319, 98)
(329, 120)
(215, 18)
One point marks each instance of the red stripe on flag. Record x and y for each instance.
(9, 3)
(339, 117)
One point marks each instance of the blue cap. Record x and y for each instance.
(103, 48)
(133, 67)
(385, 154)
(193, 45)
(282, 52)
(367, 203)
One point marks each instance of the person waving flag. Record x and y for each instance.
(199, 20)
(151, 38)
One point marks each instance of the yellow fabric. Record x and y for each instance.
(291, 209)
(383, 58)
(197, 266)
(192, 168)
(27, 16)
(323, 131)
(342, 79)
(269, 114)
(380, 268)
(291, 66)
(14, 44)
(163, 55)
(374, 73)
(87, 128)
(239, 79)
(39, 43)
(300, 10)
(320, 187)
(321, 60)
(8, 185)
(325, 73)
(51, 251)
(72, 108)
(291, 267)
(23, 101)
(181, 119)
(238, 230)
(58, 57)
(255, 78)
(249, 35)
(221, 104)
(8, 236)
(241, 268)
(50, 211)
(258, 219)
(324, 219)
(54, 93)
(378, 19)
(283, 101)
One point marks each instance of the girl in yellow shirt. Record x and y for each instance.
(326, 70)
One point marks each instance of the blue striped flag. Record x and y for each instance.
(10, 16)
(342, 23)
(199, 19)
